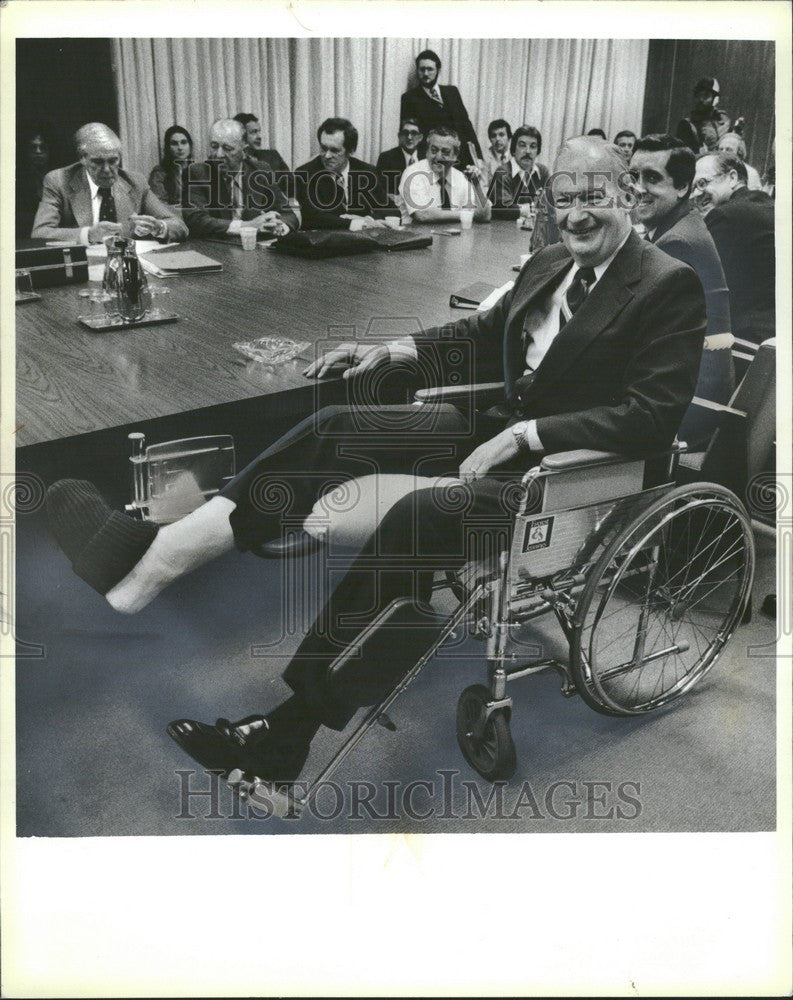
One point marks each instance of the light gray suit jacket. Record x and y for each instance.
(65, 205)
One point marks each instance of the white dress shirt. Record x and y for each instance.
(541, 329)
(420, 189)
(96, 205)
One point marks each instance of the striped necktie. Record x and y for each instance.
(574, 297)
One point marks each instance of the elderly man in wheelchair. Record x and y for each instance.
(530, 496)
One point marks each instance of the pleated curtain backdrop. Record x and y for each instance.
(562, 86)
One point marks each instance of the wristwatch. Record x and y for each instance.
(519, 430)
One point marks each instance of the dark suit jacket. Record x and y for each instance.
(270, 159)
(390, 166)
(621, 373)
(207, 205)
(417, 104)
(684, 236)
(66, 205)
(506, 190)
(320, 196)
(743, 231)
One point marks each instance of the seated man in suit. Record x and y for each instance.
(598, 343)
(499, 132)
(662, 173)
(391, 163)
(226, 192)
(271, 159)
(96, 198)
(433, 190)
(520, 181)
(741, 223)
(433, 106)
(336, 190)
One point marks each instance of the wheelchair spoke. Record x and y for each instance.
(667, 596)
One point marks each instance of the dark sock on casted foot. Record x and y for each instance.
(102, 544)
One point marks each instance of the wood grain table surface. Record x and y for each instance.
(72, 381)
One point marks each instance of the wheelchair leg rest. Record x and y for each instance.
(289, 801)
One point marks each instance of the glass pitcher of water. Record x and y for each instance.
(125, 280)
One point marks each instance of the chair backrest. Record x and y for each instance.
(754, 447)
(743, 354)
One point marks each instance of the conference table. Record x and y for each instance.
(72, 381)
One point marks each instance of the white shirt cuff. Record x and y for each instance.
(403, 350)
(234, 227)
(84, 235)
(532, 437)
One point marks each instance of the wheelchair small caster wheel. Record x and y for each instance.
(486, 743)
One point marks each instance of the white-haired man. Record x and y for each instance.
(96, 198)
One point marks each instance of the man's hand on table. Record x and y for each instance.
(146, 225)
(270, 222)
(349, 359)
(359, 222)
(101, 231)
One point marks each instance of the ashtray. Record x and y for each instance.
(271, 350)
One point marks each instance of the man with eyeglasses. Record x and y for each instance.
(433, 190)
(741, 223)
(392, 163)
(598, 345)
(96, 197)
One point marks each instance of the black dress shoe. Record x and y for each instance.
(248, 745)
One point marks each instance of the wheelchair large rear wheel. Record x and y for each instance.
(663, 600)
(487, 746)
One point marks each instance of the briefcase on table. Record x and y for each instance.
(48, 266)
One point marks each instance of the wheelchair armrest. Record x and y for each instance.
(580, 458)
(721, 408)
(481, 393)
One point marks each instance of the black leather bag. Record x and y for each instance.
(320, 243)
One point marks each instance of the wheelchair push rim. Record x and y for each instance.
(663, 600)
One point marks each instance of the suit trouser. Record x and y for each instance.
(432, 528)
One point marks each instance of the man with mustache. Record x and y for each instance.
(520, 181)
(598, 344)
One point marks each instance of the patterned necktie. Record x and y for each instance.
(236, 196)
(436, 95)
(107, 208)
(574, 297)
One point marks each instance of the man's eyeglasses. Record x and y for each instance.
(409, 133)
(702, 182)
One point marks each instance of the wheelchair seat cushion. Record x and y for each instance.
(349, 514)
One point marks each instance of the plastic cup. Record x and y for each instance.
(248, 236)
(160, 301)
(466, 218)
(94, 305)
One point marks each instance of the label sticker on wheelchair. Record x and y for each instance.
(537, 534)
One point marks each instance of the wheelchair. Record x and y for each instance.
(647, 582)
